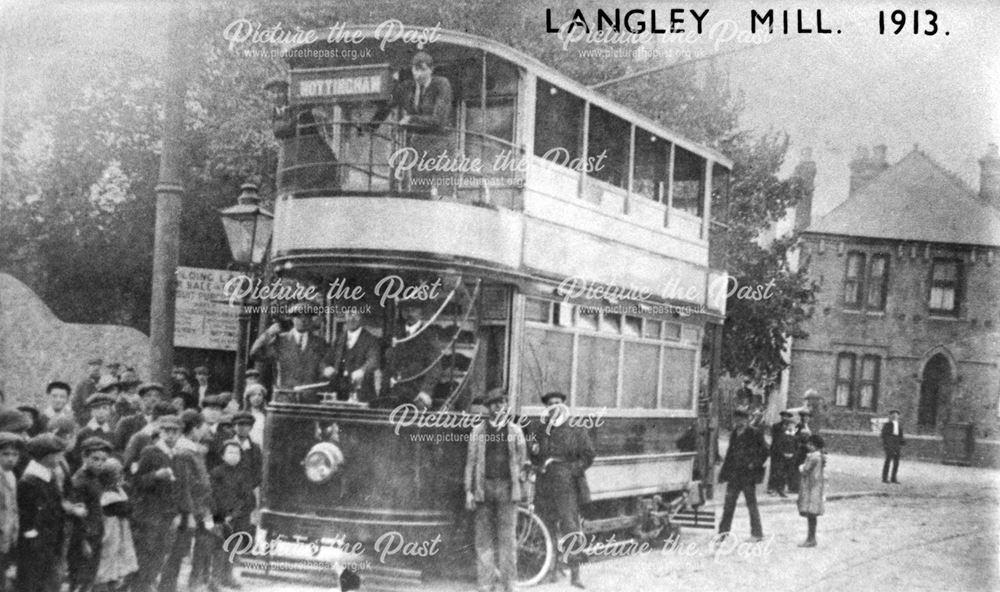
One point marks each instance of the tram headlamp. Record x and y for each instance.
(322, 462)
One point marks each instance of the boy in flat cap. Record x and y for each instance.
(99, 405)
(11, 446)
(783, 448)
(41, 516)
(86, 532)
(252, 461)
(741, 471)
(150, 394)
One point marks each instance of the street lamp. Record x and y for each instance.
(248, 229)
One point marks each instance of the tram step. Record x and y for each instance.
(703, 517)
(375, 577)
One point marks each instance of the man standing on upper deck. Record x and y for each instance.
(304, 142)
(426, 104)
(302, 357)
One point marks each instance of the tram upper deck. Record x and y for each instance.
(517, 170)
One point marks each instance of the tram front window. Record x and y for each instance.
(434, 342)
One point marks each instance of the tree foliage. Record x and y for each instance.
(81, 148)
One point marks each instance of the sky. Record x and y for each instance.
(830, 93)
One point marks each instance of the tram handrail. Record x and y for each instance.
(314, 158)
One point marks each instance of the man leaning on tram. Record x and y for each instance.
(495, 475)
(426, 104)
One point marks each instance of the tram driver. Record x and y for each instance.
(303, 358)
(413, 362)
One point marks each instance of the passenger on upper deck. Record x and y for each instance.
(425, 100)
(303, 142)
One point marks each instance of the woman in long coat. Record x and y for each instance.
(811, 490)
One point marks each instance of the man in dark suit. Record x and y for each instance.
(563, 454)
(892, 443)
(87, 387)
(304, 142)
(783, 446)
(413, 362)
(302, 357)
(355, 358)
(426, 104)
(150, 394)
(742, 470)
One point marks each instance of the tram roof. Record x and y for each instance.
(546, 72)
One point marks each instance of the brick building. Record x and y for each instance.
(908, 316)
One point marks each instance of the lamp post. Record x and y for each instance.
(248, 229)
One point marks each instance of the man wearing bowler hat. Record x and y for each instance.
(302, 357)
(413, 363)
(563, 454)
(741, 471)
(494, 483)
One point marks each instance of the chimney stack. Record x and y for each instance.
(989, 177)
(805, 171)
(864, 168)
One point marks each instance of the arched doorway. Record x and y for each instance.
(934, 390)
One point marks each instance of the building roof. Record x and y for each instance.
(915, 200)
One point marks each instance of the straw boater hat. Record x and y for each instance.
(553, 395)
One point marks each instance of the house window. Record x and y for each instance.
(945, 276)
(854, 280)
(868, 391)
(878, 275)
(845, 380)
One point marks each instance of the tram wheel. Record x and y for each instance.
(535, 549)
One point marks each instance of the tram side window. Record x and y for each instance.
(652, 157)
(639, 375)
(678, 377)
(689, 182)
(608, 145)
(558, 123)
(547, 363)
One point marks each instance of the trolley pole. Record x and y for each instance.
(169, 192)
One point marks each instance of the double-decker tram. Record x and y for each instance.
(547, 238)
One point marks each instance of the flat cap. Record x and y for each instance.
(151, 386)
(219, 401)
(95, 443)
(169, 422)
(252, 372)
(99, 399)
(243, 417)
(44, 445)
(226, 419)
(106, 383)
(553, 395)
(741, 412)
(805, 413)
(891, 411)
(786, 413)
(8, 439)
(12, 420)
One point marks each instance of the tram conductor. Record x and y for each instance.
(302, 357)
(563, 454)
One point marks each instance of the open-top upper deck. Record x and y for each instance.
(520, 169)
